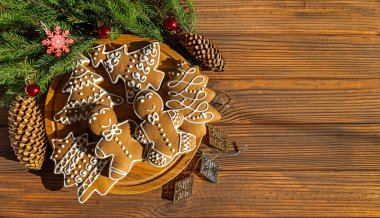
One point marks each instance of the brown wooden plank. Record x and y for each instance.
(304, 147)
(300, 101)
(243, 193)
(258, 56)
(294, 38)
(241, 17)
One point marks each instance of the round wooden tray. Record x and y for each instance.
(143, 176)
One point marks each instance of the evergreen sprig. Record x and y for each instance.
(23, 57)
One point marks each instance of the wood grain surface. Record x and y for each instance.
(305, 83)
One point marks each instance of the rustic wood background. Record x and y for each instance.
(305, 82)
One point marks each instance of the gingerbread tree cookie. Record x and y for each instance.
(187, 92)
(137, 69)
(84, 94)
(116, 141)
(75, 158)
(159, 129)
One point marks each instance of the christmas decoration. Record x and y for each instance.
(203, 50)
(170, 24)
(178, 189)
(216, 138)
(183, 189)
(32, 90)
(27, 132)
(208, 169)
(221, 102)
(104, 31)
(58, 41)
(23, 51)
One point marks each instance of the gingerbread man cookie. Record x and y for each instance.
(159, 130)
(116, 141)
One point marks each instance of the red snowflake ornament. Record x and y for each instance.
(58, 41)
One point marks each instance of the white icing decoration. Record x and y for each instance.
(70, 159)
(196, 104)
(107, 137)
(146, 62)
(152, 119)
(65, 115)
(109, 134)
(155, 157)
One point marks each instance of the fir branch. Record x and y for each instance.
(17, 46)
(192, 15)
(13, 71)
(23, 56)
(64, 65)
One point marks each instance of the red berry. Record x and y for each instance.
(104, 31)
(170, 24)
(32, 90)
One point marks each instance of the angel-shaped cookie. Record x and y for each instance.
(116, 141)
(159, 130)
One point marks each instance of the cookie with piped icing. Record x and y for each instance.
(159, 131)
(187, 92)
(116, 142)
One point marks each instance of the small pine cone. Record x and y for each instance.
(203, 50)
(27, 132)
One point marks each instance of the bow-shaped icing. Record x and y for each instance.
(153, 118)
(108, 134)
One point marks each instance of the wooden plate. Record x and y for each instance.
(143, 176)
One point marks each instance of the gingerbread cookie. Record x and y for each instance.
(159, 129)
(74, 157)
(137, 69)
(84, 94)
(187, 92)
(116, 141)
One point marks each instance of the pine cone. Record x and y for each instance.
(203, 50)
(27, 132)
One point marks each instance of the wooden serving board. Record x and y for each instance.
(143, 176)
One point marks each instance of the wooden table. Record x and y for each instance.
(305, 82)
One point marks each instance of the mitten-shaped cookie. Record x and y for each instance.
(116, 141)
(159, 130)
